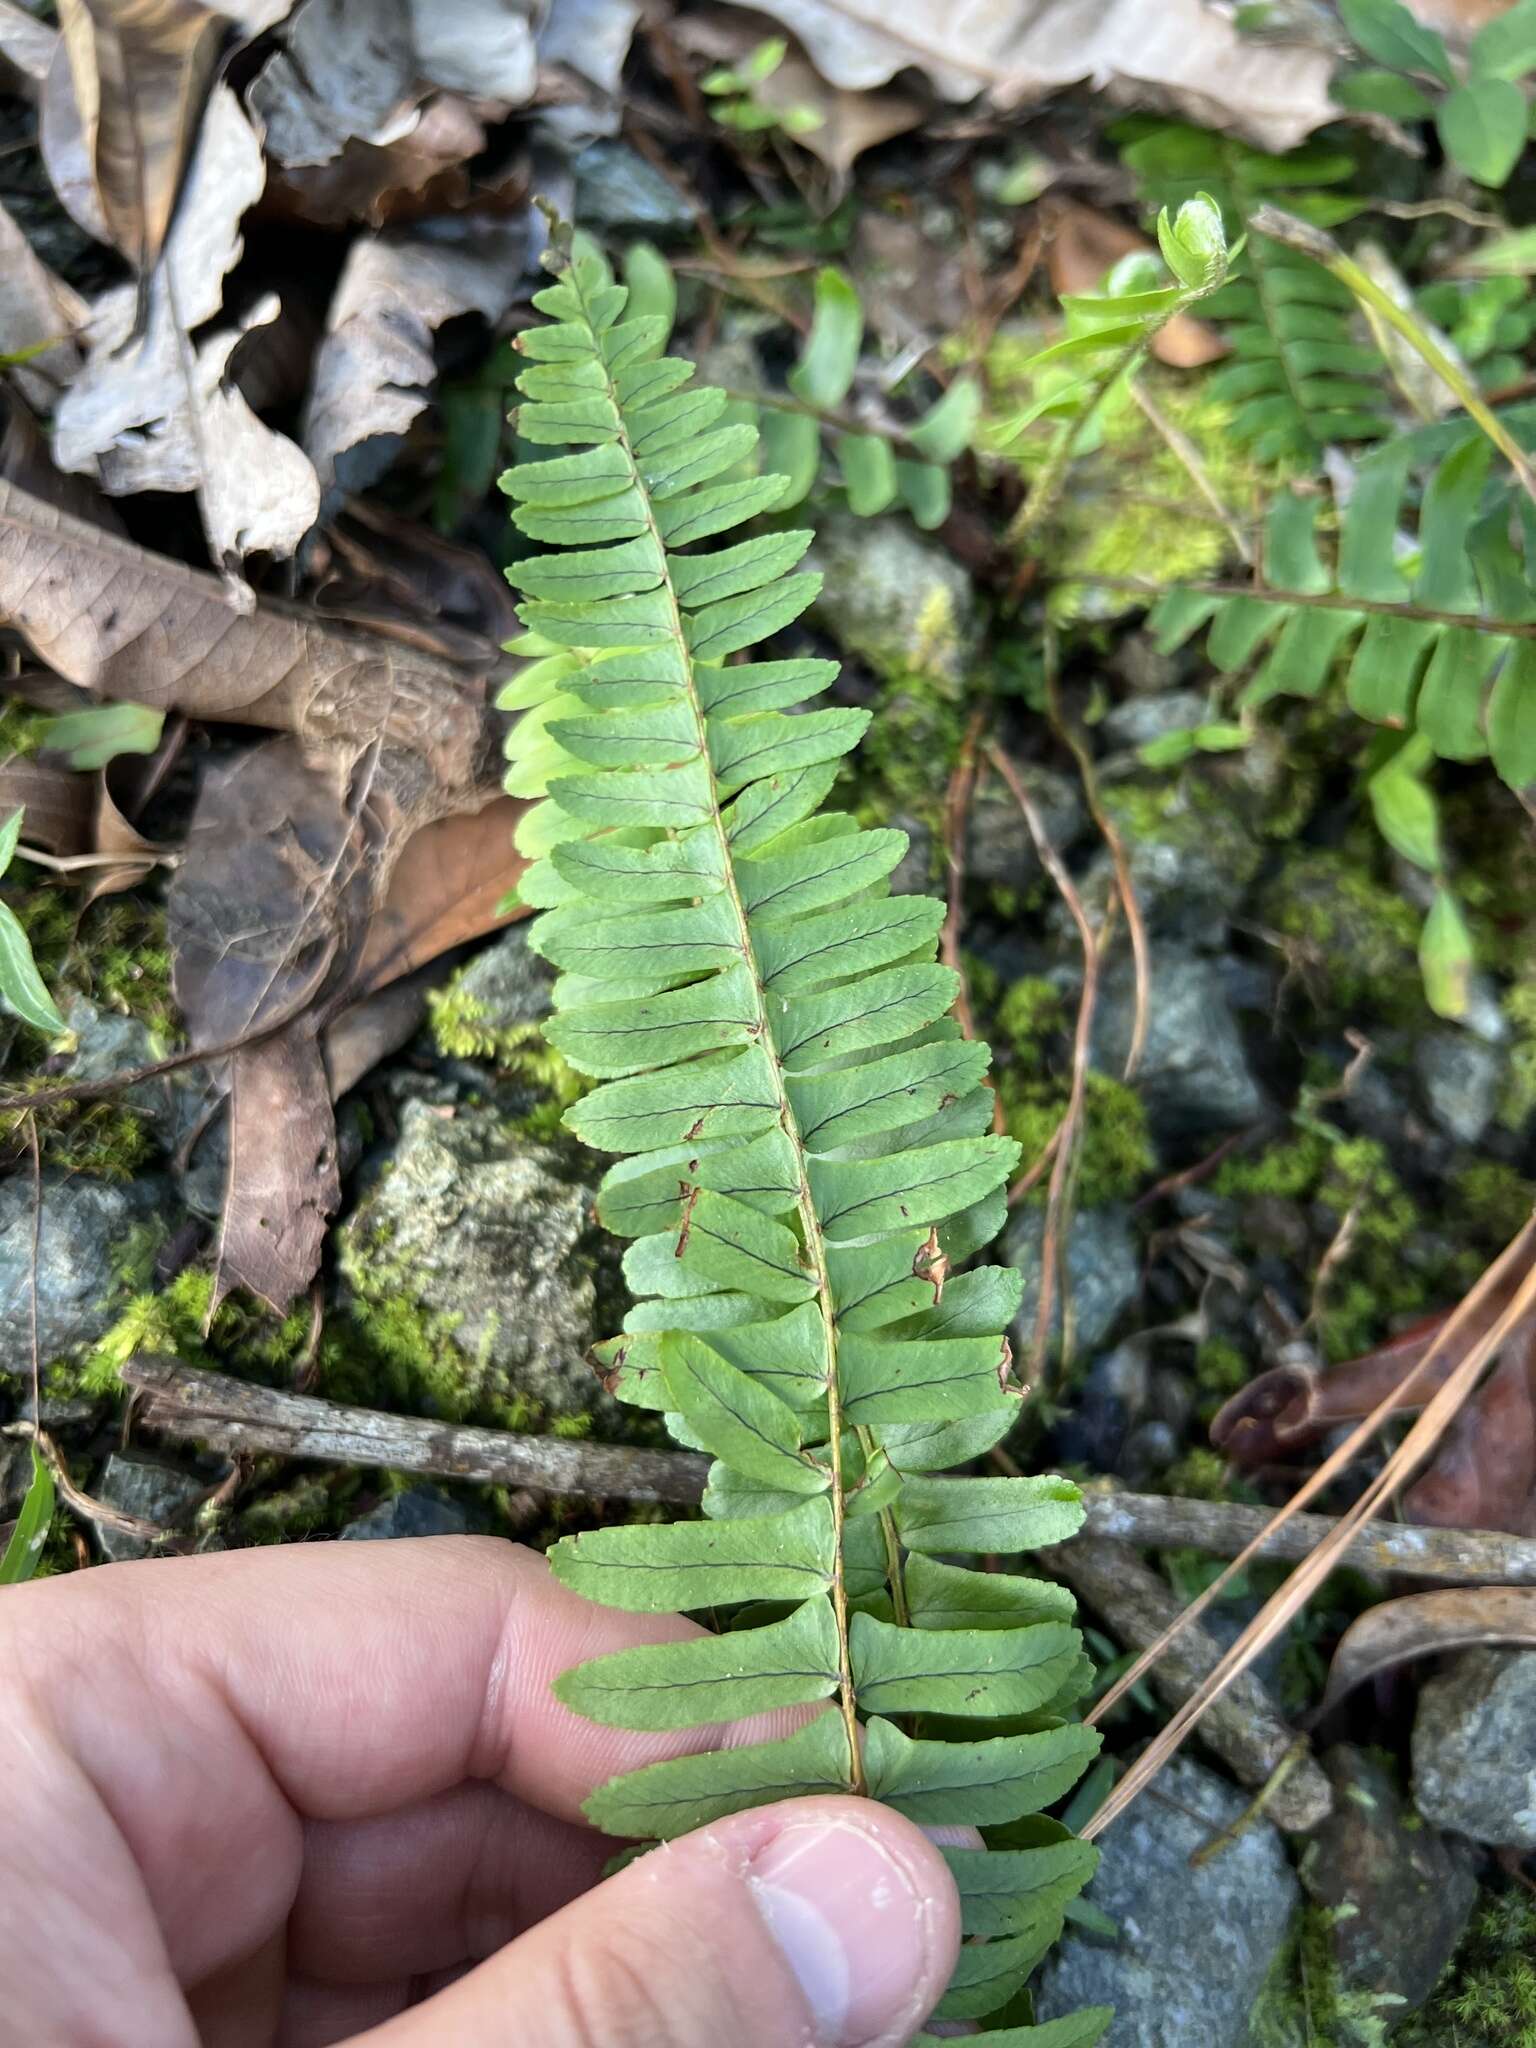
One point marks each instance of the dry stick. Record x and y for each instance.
(1082, 1045)
(1109, 832)
(1292, 1596)
(1313, 600)
(130, 1077)
(1220, 1528)
(239, 1419)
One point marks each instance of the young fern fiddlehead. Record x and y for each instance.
(806, 1151)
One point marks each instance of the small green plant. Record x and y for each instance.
(91, 738)
(25, 1547)
(804, 1154)
(736, 91)
(21, 986)
(1477, 106)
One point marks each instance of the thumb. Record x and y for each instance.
(827, 1921)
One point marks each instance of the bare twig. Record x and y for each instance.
(235, 1418)
(1056, 1200)
(1315, 600)
(84, 1504)
(1220, 1528)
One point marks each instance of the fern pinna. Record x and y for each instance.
(806, 1153)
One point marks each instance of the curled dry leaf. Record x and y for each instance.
(140, 71)
(284, 1181)
(349, 73)
(56, 803)
(399, 577)
(38, 312)
(1428, 1625)
(114, 618)
(1085, 244)
(148, 412)
(375, 366)
(1180, 54)
(419, 173)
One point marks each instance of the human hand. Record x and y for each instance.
(284, 1798)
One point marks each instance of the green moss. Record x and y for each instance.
(1191, 814)
(1030, 1014)
(463, 1029)
(1116, 1155)
(1201, 1474)
(1221, 1370)
(173, 1321)
(101, 1139)
(1307, 2004)
(1487, 1998)
(21, 728)
(1489, 1202)
(1355, 941)
(1519, 1098)
(1130, 507)
(913, 743)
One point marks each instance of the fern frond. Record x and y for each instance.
(1437, 637)
(1299, 378)
(805, 1151)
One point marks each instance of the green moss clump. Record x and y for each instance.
(1489, 1203)
(462, 1026)
(101, 1139)
(1487, 1997)
(1355, 940)
(912, 745)
(1030, 1014)
(21, 728)
(1201, 1474)
(1116, 1155)
(174, 1322)
(1519, 1098)
(1344, 1176)
(1306, 2003)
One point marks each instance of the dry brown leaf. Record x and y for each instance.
(419, 173)
(141, 70)
(1428, 1625)
(447, 888)
(397, 576)
(150, 412)
(375, 367)
(37, 307)
(1084, 244)
(1179, 54)
(284, 1181)
(1484, 1473)
(57, 803)
(111, 617)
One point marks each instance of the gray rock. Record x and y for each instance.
(1112, 1400)
(1460, 1078)
(1194, 1076)
(493, 1235)
(87, 1230)
(1397, 1895)
(1103, 1272)
(999, 847)
(150, 1489)
(913, 874)
(109, 1043)
(1474, 1748)
(894, 597)
(1191, 854)
(509, 982)
(1196, 1943)
(419, 1511)
(617, 188)
(1141, 719)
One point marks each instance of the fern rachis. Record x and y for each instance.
(806, 1149)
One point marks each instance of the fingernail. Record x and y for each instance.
(858, 1923)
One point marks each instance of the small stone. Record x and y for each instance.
(1474, 1748)
(1191, 854)
(1103, 1273)
(617, 188)
(1196, 1942)
(1148, 1451)
(1140, 720)
(492, 1234)
(1460, 1078)
(108, 1043)
(898, 600)
(1194, 1075)
(913, 874)
(419, 1511)
(508, 981)
(1113, 1396)
(150, 1489)
(999, 847)
(1397, 1895)
(87, 1231)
